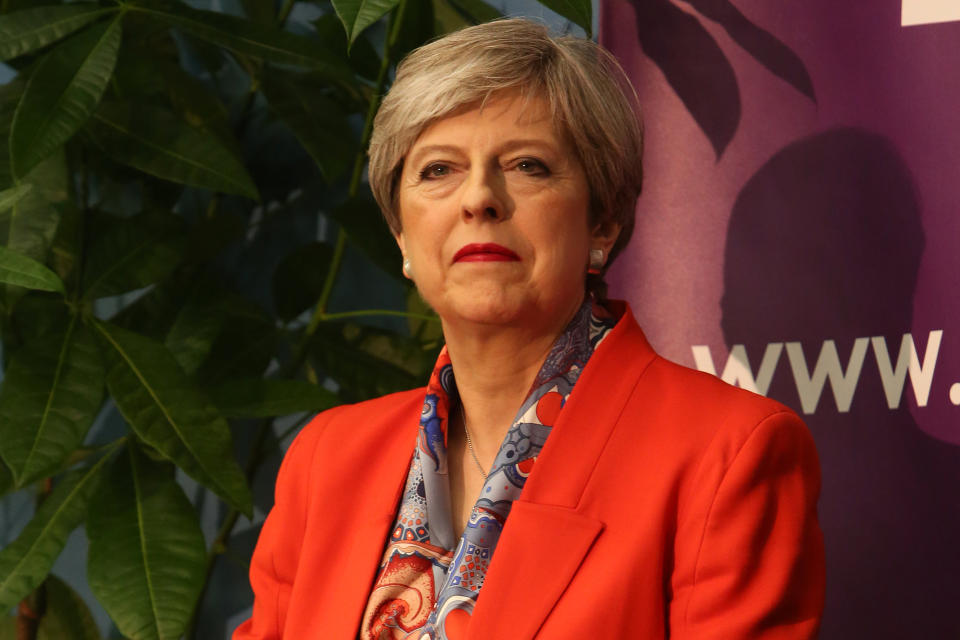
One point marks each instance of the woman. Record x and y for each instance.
(556, 478)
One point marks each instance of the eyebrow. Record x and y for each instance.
(505, 147)
(433, 148)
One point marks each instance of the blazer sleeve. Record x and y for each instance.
(273, 566)
(755, 558)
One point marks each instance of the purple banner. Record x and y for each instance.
(799, 236)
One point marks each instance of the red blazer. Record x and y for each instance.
(665, 503)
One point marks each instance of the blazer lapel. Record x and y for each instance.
(365, 551)
(549, 531)
(370, 515)
(537, 556)
(577, 440)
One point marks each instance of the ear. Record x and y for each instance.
(406, 267)
(604, 236)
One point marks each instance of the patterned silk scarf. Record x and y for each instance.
(429, 581)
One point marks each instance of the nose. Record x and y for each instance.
(484, 196)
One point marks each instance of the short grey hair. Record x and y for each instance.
(588, 94)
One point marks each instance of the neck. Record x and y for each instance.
(494, 369)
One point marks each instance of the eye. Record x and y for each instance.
(532, 166)
(434, 171)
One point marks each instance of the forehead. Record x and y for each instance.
(501, 114)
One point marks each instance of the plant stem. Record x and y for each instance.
(32, 608)
(393, 31)
(29, 613)
(321, 309)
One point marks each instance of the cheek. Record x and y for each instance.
(561, 262)
(425, 250)
(418, 231)
(565, 238)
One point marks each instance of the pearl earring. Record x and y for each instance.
(596, 261)
(407, 270)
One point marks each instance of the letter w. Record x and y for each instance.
(737, 370)
(921, 376)
(828, 366)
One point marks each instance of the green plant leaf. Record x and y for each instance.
(260, 398)
(18, 269)
(194, 330)
(13, 195)
(10, 95)
(27, 560)
(155, 141)
(197, 104)
(129, 253)
(29, 225)
(168, 413)
(213, 235)
(147, 47)
(154, 312)
(363, 222)
(417, 28)
(244, 346)
(448, 18)
(317, 120)
(49, 398)
(67, 246)
(38, 316)
(31, 29)
(357, 15)
(6, 479)
(299, 278)
(367, 361)
(249, 38)
(260, 11)
(147, 556)
(62, 93)
(476, 11)
(67, 616)
(361, 56)
(579, 12)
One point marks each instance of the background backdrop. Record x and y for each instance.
(798, 236)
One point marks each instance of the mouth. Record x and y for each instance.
(485, 252)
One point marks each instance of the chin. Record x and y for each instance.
(489, 316)
(493, 305)
(482, 312)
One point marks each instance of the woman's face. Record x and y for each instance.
(494, 209)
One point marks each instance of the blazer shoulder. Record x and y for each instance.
(710, 391)
(699, 417)
(670, 406)
(626, 359)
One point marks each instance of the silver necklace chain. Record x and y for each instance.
(473, 454)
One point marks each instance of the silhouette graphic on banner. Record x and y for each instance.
(825, 240)
(697, 68)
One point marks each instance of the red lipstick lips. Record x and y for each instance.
(485, 252)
